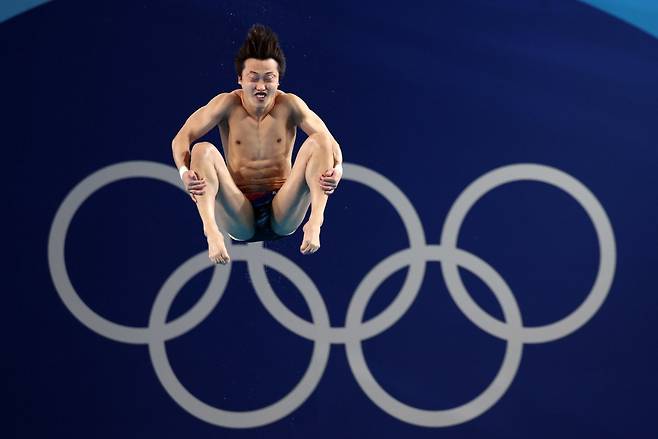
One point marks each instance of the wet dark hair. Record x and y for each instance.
(261, 43)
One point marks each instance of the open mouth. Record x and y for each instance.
(261, 95)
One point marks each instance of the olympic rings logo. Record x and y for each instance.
(355, 330)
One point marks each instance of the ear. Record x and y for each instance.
(239, 80)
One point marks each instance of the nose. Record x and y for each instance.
(260, 85)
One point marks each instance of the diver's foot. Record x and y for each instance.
(217, 249)
(311, 240)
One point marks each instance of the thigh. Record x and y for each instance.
(292, 201)
(233, 210)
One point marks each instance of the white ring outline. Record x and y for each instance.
(73, 301)
(479, 404)
(251, 418)
(596, 213)
(158, 331)
(403, 300)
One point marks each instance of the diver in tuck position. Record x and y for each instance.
(261, 195)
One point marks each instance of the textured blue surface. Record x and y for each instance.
(432, 97)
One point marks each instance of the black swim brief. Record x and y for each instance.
(262, 204)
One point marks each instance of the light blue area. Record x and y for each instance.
(10, 8)
(642, 14)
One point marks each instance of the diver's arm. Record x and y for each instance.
(311, 123)
(197, 125)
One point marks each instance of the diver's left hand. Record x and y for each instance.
(330, 178)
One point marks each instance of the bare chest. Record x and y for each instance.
(245, 138)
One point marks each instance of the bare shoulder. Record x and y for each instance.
(235, 95)
(226, 99)
(223, 103)
(289, 98)
(291, 101)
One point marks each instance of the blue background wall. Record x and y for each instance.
(430, 96)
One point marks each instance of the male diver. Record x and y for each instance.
(260, 195)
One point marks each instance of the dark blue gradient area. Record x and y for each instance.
(432, 96)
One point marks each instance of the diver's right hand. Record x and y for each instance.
(193, 184)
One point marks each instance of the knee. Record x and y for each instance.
(202, 150)
(321, 141)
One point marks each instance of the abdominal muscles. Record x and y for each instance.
(260, 175)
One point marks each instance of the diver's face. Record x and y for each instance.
(259, 81)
